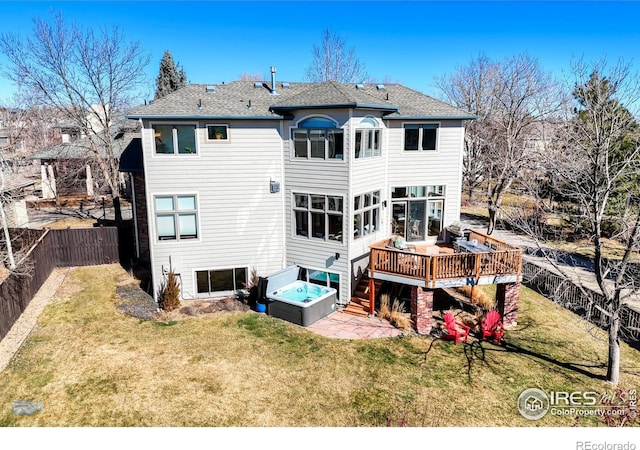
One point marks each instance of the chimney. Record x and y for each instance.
(273, 80)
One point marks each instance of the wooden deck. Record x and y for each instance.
(439, 266)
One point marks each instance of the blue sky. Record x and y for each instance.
(407, 42)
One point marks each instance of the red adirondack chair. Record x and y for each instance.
(455, 330)
(492, 329)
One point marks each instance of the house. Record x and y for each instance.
(69, 168)
(263, 175)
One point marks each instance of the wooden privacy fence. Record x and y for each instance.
(54, 248)
(586, 303)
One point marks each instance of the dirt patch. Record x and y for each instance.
(132, 300)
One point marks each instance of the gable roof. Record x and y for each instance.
(254, 100)
(333, 95)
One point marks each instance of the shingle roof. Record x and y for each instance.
(332, 94)
(249, 99)
(80, 149)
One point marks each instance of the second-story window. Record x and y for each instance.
(175, 139)
(367, 139)
(217, 133)
(318, 138)
(421, 137)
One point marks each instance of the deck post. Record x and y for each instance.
(372, 296)
(507, 297)
(422, 309)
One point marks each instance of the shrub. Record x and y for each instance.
(252, 287)
(385, 311)
(480, 299)
(398, 317)
(170, 294)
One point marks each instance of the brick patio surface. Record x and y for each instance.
(340, 325)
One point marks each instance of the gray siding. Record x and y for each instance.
(240, 221)
(242, 224)
(443, 166)
(318, 177)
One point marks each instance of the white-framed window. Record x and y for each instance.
(366, 215)
(419, 137)
(176, 217)
(318, 216)
(417, 211)
(217, 132)
(173, 139)
(321, 278)
(318, 138)
(368, 141)
(221, 280)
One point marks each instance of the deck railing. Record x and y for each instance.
(503, 259)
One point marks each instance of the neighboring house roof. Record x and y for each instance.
(254, 100)
(14, 182)
(126, 130)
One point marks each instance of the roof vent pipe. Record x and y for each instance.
(273, 80)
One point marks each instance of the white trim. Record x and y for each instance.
(310, 116)
(283, 190)
(197, 128)
(419, 150)
(292, 143)
(153, 230)
(326, 212)
(218, 141)
(216, 294)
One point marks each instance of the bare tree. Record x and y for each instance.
(248, 76)
(30, 128)
(471, 87)
(512, 100)
(87, 75)
(593, 163)
(522, 96)
(332, 60)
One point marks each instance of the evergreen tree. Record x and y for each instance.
(171, 77)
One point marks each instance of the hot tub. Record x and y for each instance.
(297, 301)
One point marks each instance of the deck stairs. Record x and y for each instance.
(359, 304)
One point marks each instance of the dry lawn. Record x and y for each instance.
(91, 365)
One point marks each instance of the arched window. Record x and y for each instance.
(368, 138)
(368, 122)
(318, 138)
(316, 122)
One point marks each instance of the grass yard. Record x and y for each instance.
(91, 365)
